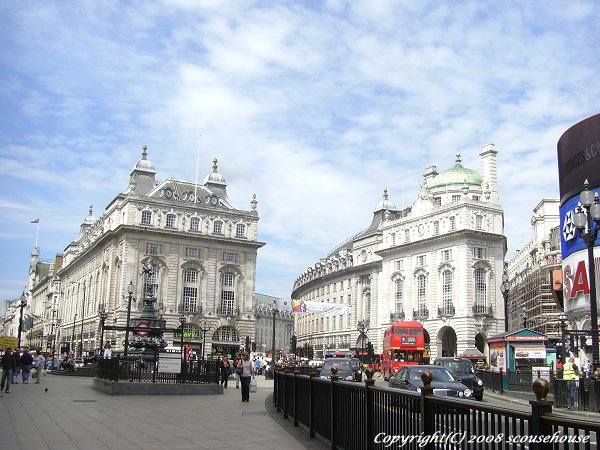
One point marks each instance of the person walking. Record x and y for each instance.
(8, 366)
(247, 374)
(225, 371)
(107, 351)
(17, 357)
(236, 361)
(571, 374)
(39, 362)
(26, 364)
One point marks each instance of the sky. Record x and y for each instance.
(315, 107)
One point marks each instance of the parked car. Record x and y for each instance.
(345, 370)
(462, 370)
(443, 383)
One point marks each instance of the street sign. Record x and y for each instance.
(142, 329)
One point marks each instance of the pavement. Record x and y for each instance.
(71, 415)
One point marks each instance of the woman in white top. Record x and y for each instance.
(247, 373)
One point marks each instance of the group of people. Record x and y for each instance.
(244, 372)
(14, 362)
(571, 373)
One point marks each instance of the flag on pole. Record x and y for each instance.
(35, 221)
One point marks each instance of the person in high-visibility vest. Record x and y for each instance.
(571, 373)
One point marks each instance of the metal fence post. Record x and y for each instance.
(539, 407)
(334, 379)
(369, 406)
(312, 373)
(426, 408)
(296, 372)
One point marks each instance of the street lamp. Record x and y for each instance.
(129, 299)
(72, 346)
(274, 311)
(103, 316)
(505, 289)
(361, 326)
(588, 211)
(562, 322)
(203, 326)
(23, 305)
(182, 321)
(56, 327)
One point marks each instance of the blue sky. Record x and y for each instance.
(315, 107)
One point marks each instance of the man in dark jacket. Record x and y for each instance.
(26, 364)
(17, 357)
(8, 365)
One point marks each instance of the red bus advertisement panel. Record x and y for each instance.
(403, 344)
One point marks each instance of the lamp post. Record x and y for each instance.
(203, 326)
(587, 217)
(505, 289)
(182, 321)
(129, 299)
(23, 305)
(361, 326)
(562, 322)
(274, 311)
(103, 316)
(56, 327)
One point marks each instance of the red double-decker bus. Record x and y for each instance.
(403, 344)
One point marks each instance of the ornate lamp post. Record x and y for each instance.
(562, 322)
(72, 346)
(23, 305)
(274, 311)
(56, 327)
(130, 290)
(361, 326)
(103, 316)
(587, 217)
(505, 289)
(204, 326)
(182, 321)
(82, 319)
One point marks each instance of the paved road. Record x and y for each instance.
(71, 415)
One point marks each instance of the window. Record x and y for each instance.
(393, 238)
(240, 230)
(447, 255)
(194, 224)
(398, 265)
(421, 260)
(447, 291)
(192, 252)
(455, 198)
(479, 252)
(151, 282)
(230, 257)
(422, 294)
(399, 296)
(153, 248)
(170, 221)
(407, 235)
(146, 218)
(480, 289)
(437, 201)
(190, 290)
(218, 227)
(436, 227)
(478, 221)
(226, 334)
(452, 223)
(476, 198)
(227, 293)
(342, 285)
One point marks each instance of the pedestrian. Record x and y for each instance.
(15, 372)
(587, 368)
(8, 364)
(571, 374)
(39, 362)
(26, 365)
(107, 351)
(236, 361)
(257, 366)
(247, 374)
(225, 367)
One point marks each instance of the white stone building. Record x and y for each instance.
(202, 251)
(439, 262)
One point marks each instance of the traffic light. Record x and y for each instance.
(254, 346)
(294, 342)
(370, 351)
(247, 343)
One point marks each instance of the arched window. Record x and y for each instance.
(227, 293)
(190, 290)
(399, 296)
(422, 295)
(226, 334)
(218, 227)
(194, 224)
(480, 290)
(447, 305)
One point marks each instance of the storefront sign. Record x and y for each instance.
(530, 353)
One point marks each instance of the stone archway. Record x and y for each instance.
(480, 340)
(446, 342)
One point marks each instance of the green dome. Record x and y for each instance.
(457, 176)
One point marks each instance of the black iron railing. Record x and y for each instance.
(143, 371)
(365, 416)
